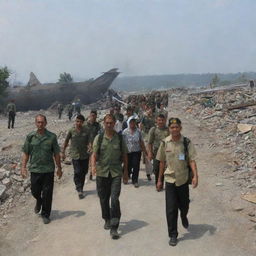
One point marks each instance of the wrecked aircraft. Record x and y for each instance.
(37, 96)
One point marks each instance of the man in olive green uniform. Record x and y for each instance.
(11, 111)
(70, 111)
(40, 148)
(109, 151)
(94, 128)
(60, 109)
(80, 142)
(155, 136)
(173, 154)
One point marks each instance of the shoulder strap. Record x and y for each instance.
(100, 142)
(120, 141)
(186, 142)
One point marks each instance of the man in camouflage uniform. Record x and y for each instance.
(80, 145)
(109, 151)
(11, 111)
(41, 149)
(155, 136)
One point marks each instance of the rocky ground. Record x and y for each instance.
(222, 221)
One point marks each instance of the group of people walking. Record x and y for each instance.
(113, 153)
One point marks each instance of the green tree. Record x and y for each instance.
(4, 75)
(65, 78)
(215, 80)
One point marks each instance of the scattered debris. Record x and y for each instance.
(250, 197)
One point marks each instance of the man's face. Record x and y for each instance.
(40, 123)
(132, 124)
(93, 117)
(129, 112)
(175, 129)
(79, 123)
(150, 112)
(109, 124)
(161, 122)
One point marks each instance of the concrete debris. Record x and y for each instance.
(230, 115)
(244, 128)
(250, 197)
(2, 191)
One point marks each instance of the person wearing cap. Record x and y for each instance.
(171, 154)
(135, 144)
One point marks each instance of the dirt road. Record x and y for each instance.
(218, 224)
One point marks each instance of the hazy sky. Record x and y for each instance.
(140, 37)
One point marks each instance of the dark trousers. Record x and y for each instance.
(109, 188)
(11, 119)
(42, 189)
(80, 171)
(176, 198)
(134, 165)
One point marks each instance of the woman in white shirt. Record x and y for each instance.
(135, 145)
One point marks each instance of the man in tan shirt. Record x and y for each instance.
(172, 154)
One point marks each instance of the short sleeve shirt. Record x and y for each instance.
(133, 140)
(156, 135)
(11, 107)
(79, 142)
(109, 160)
(173, 153)
(41, 149)
(147, 123)
(94, 129)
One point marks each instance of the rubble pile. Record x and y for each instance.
(231, 116)
(13, 187)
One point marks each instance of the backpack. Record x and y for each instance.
(186, 142)
(101, 139)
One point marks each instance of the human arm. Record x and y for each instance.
(58, 163)
(93, 163)
(125, 174)
(65, 145)
(24, 171)
(151, 137)
(193, 166)
(143, 147)
(160, 177)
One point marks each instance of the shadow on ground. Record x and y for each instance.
(90, 192)
(196, 231)
(131, 225)
(55, 215)
(144, 182)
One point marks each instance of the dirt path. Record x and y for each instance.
(216, 225)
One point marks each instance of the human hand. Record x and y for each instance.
(24, 172)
